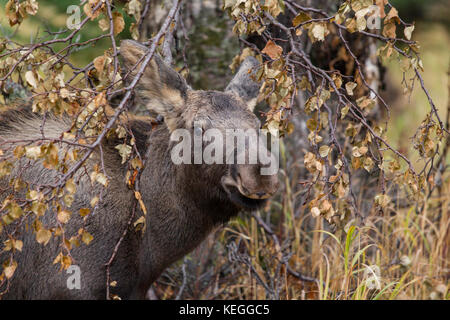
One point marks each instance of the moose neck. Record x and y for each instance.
(184, 204)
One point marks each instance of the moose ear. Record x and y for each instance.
(161, 89)
(243, 86)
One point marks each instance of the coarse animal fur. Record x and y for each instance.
(184, 202)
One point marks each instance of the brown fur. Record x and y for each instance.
(184, 202)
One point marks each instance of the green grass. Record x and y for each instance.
(408, 111)
(52, 16)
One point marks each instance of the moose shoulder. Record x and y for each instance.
(184, 201)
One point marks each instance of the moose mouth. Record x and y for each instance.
(245, 203)
(237, 197)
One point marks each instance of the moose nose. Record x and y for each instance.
(261, 194)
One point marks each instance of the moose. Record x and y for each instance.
(185, 202)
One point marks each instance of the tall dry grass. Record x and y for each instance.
(282, 252)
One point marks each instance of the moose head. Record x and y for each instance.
(217, 118)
